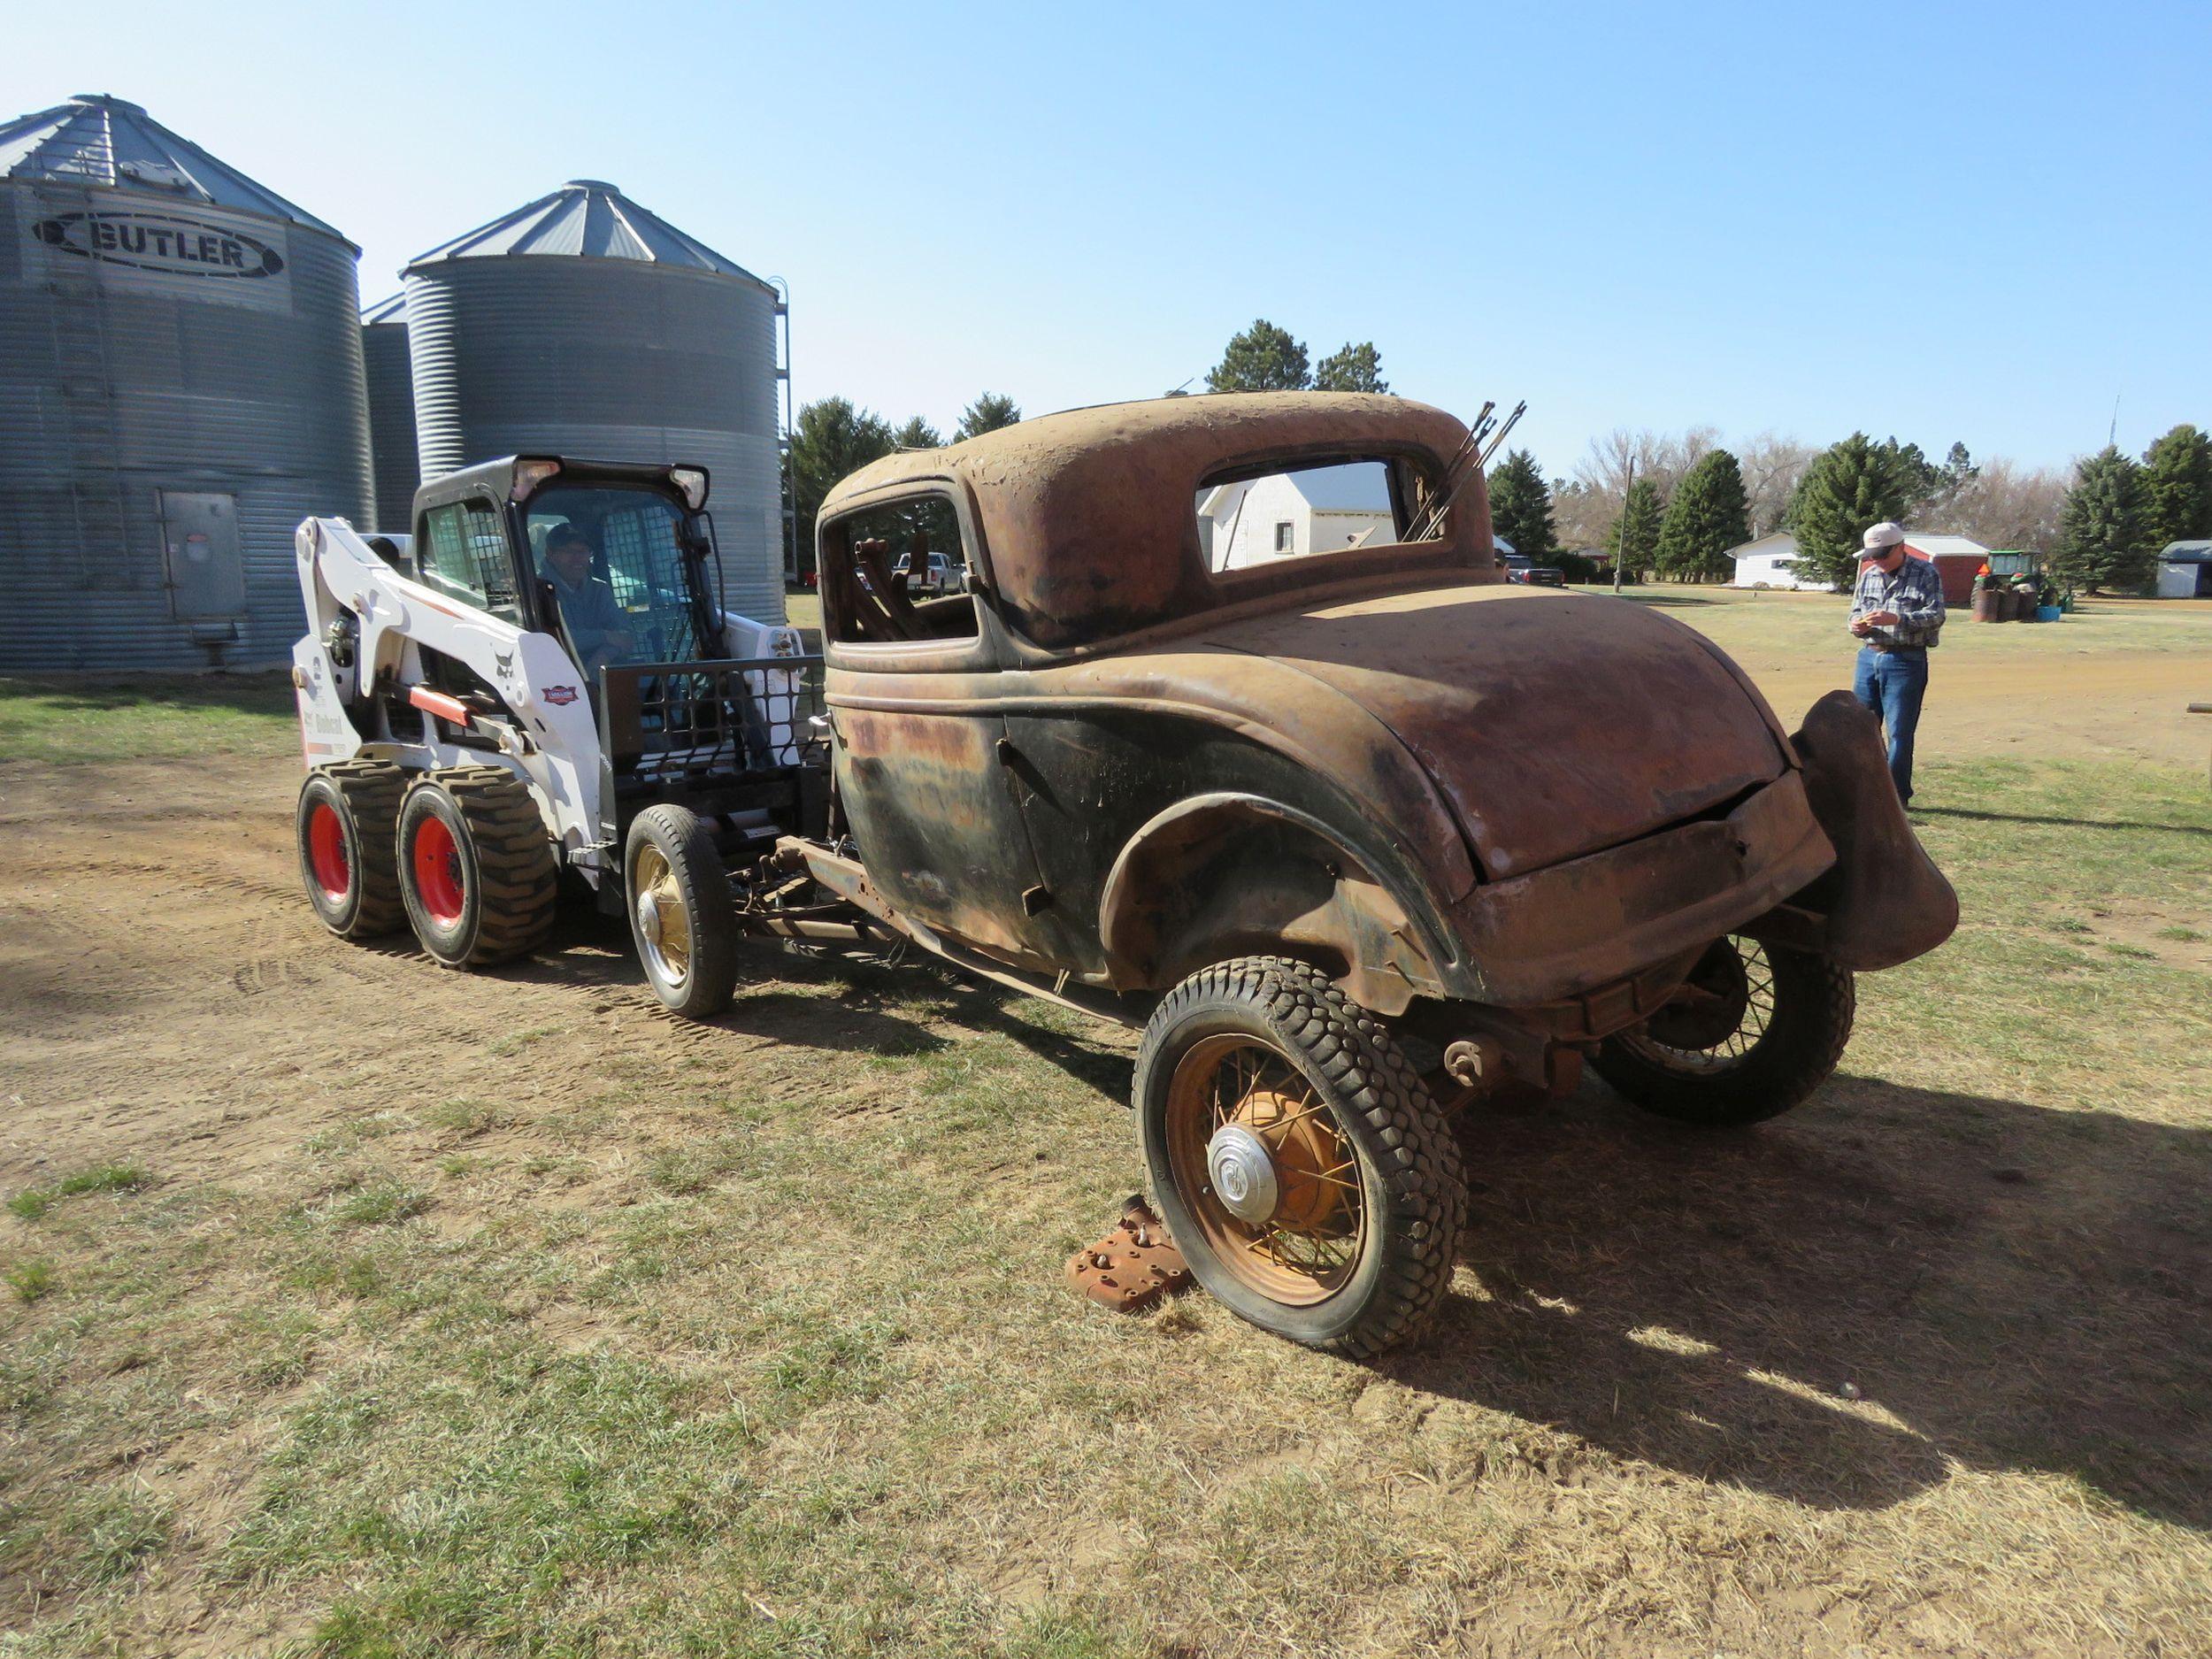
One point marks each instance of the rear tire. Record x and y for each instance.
(476, 867)
(1262, 1067)
(1755, 1055)
(344, 826)
(680, 911)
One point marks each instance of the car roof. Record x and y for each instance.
(1087, 516)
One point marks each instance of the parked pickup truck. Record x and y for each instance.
(1355, 838)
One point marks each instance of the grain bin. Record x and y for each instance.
(581, 324)
(391, 382)
(180, 384)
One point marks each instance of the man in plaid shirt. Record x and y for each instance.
(1897, 611)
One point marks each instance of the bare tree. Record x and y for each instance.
(2005, 505)
(1592, 500)
(1771, 466)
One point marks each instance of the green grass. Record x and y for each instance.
(69, 719)
(29, 1280)
(33, 1203)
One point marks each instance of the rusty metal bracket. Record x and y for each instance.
(1132, 1266)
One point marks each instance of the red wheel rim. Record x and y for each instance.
(438, 870)
(326, 853)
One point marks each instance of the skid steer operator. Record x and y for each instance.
(595, 618)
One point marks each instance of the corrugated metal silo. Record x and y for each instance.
(180, 384)
(582, 324)
(391, 380)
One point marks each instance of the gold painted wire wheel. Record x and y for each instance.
(1310, 1243)
(1726, 1009)
(663, 928)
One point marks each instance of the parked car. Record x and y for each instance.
(1355, 838)
(1520, 568)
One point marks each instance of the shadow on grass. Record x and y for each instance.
(1670, 600)
(1835, 1308)
(872, 1007)
(1977, 815)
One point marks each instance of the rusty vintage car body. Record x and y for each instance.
(1358, 835)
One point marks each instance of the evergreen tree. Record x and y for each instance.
(2101, 536)
(919, 434)
(1263, 358)
(1520, 506)
(1357, 368)
(1852, 484)
(830, 439)
(2178, 487)
(987, 414)
(1708, 515)
(1634, 540)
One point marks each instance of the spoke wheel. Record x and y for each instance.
(1303, 1169)
(1722, 1011)
(1754, 1031)
(1243, 1124)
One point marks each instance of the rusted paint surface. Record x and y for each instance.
(1132, 1266)
(1089, 516)
(1554, 723)
(1886, 902)
(1567, 929)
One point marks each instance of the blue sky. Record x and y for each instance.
(1976, 222)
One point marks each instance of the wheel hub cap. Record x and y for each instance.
(648, 917)
(1242, 1173)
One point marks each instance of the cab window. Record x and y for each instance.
(1264, 515)
(464, 556)
(898, 574)
(619, 572)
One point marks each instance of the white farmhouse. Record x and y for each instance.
(1285, 514)
(1764, 563)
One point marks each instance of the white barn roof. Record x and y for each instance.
(1945, 546)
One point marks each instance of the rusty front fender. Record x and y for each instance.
(1885, 902)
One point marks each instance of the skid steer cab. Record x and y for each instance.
(539, 684)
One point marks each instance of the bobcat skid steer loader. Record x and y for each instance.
(541, 679)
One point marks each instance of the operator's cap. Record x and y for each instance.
(1880, 538)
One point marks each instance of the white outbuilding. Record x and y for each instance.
(1255, 520)
(1767, 561)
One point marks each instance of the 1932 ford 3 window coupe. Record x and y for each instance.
(1228, 722)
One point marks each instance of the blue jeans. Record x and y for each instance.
(1891, 684)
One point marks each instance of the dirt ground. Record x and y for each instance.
(1923, 1370)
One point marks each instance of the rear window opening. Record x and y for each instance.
(1266, 514)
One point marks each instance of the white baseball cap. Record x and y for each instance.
(1880, 538)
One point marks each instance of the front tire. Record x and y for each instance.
(1304, 1172)
(680, 911)
(344, 824)
(1759, 1029)
(476, 866)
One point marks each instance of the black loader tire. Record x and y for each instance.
(1410, 1179)
(487, 892)
(674, 838)
(344, 826)
(1815, 999)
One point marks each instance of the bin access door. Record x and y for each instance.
(199, 534)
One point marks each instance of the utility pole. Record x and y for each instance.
(1620, 536)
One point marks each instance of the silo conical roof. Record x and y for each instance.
(391, 311)
(586, 219)
(105, 141)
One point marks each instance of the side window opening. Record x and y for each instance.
(898, 574)
(465, 556)
(1262, 514)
